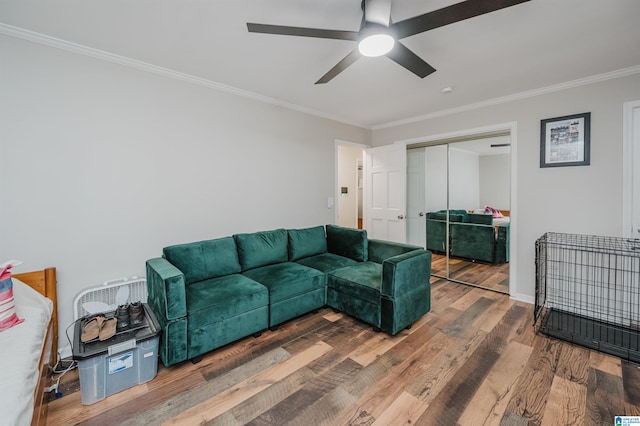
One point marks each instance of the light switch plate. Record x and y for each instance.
(330, 202)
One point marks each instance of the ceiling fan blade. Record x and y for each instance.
(302, 32)
(377, 11)
(405, 57)
(340, 66)
(449, 15)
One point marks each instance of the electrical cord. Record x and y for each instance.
(56, 385)
(59, 369)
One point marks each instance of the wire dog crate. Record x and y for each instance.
(588, 292)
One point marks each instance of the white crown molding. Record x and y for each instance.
(80, 49)
(516, 96)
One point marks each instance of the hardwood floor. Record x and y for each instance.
(473, 360)
(486, 275)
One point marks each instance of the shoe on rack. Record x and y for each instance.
(91, 329)
(108, 329)
(122, 317)
(136, 314)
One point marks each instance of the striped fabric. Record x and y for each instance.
(495, 212)
(8, 316)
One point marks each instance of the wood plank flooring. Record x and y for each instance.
(473, 360)
(485, 275)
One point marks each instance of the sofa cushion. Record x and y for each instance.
(348, 242)
(326, 262)
(205, 259)
(362, 281)
(306, 242)
(262, 248)
(288, 279)
(459, 212)
(473, 241)
(481, 219)
(364, 310)
(442, 215)
(224, 297)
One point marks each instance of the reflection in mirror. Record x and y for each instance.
(467, 211)
(416, 232)
(436, 199)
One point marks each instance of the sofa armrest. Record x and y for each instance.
(166, 288)
(380, 250)
(406, 272)
(502, 244)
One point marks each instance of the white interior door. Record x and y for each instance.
(385, 192)
(416, 222)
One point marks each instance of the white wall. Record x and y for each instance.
(494, 181)
(464, 183)
(585, 200)
(102, 165)
(436, 178)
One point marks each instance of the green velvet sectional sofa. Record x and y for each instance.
(207, 294)
(471, 236)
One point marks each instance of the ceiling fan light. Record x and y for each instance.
(376, 45)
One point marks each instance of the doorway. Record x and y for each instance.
(349, 185)
(465, 178)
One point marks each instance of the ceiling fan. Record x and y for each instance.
(379, 36)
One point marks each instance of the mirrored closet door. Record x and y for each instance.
(466, 209)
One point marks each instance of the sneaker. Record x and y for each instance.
(122, 316)
(136, 314)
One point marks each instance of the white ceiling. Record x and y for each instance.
(523, 48)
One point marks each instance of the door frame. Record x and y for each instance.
(336, 189)
(628, 133)
(512, 128)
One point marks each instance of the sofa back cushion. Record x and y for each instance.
(481, 219)
(262, 248)
(458, 211)
(442, 215)
(455, 215)
(205, 259)
(306, 242)
(348, 242)
(436, 216)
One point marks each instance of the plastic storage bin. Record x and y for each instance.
(125, 360)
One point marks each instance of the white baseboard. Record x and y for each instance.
(524, 298)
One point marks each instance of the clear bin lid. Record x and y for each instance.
(148, 329)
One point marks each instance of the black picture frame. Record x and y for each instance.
(565, 141)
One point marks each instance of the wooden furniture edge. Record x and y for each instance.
(44, 282)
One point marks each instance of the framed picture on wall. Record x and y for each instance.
(565, 141)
